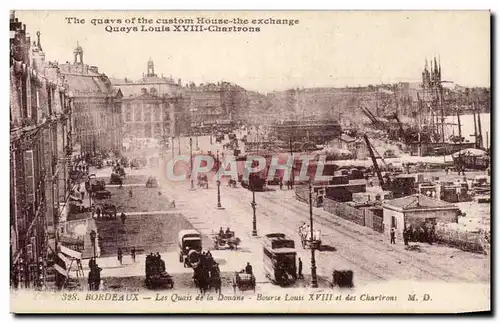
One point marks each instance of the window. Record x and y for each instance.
(158, 130)
(394, 222)
(156, 112)
(147, 131)
(147, 112)
(137, 113)
(128, 113)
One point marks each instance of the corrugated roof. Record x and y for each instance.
(418, 201)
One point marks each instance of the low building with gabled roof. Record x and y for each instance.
(417, 210)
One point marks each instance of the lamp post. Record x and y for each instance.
(219, 206)
(93, 236)
(314, 283)
(173, 152)
(254, 205)
(191, 161)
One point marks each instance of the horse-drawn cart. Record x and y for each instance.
(244, 281)
(202, 181)
(308, 241)
(227, 239)
(156, 276)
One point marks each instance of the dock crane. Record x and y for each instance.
(376, 122)
(402, 131)
(374, 161)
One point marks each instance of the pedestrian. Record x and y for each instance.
(97, 277)
(98, 213)
(405, 236)
(393, 235)
(281, 183)
(130, 193)
(300, 269)
(120, 256)
(123, 218)
(92, 263)
(172, 205)
(132, 254)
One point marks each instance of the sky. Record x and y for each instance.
(325, 48)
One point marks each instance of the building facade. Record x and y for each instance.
(150, 106)
(95, 105)
(417, 210)
(213, 106)
(40, 144)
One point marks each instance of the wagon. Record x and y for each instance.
(305, 238)
(226, 240)
(342, 278)
(102, 194)
(244, 281)
(156, 276)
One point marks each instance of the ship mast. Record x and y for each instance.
(459, 129)
(480, 132)
(475, 125)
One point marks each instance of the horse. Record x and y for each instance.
(202, 279)
(215, 280)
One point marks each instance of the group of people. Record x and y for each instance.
(225, 235)
(133, 252)
(94, 279)
(422, 233)
(155, 261)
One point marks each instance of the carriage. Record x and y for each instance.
(101, 195)
(202, 181)
(189, 247)
(305, 238)
(151, 182)
(206, 274)
(156, 276)
(227, 239)
(244, 281)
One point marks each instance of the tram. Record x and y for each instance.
(280, 258)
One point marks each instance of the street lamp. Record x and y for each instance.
(191, 161)
(173, 152)
(314, 283)
(254, 205)
(219, 206)
(93, 236)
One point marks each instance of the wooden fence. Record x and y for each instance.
(478, 242)
(344, 211)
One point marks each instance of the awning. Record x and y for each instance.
(71, 253)
(60, 270)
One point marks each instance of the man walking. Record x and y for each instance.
(132, 254)
(120, 256)
(393, 235)
(123, 218)
(406, 234)
(300, 269)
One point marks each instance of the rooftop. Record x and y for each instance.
(418, 202)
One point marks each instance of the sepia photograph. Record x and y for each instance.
(250, 161)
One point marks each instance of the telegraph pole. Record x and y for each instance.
(219, 206)
(173, 152)
(314, 283)
(254, 205)
(191, 161)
